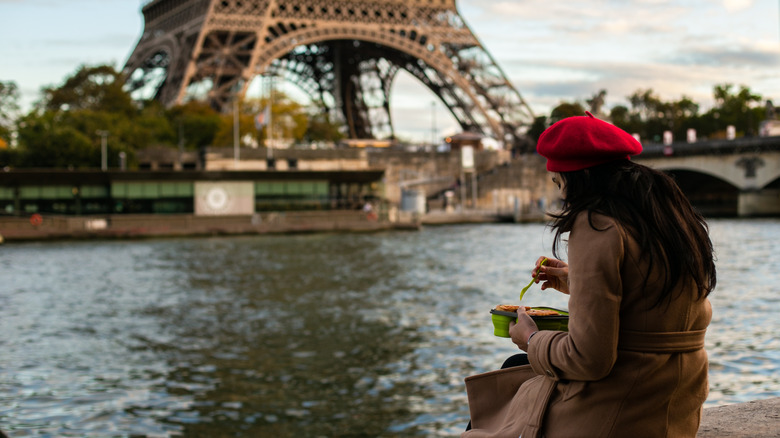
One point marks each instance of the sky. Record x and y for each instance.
(551, 51)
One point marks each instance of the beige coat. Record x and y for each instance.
(612, 378)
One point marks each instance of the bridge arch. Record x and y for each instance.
(773, 185)
(735, 179)
(710, 194)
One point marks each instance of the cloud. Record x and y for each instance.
(621, 79)
(610, 17)
(737, 5)
(742, 56)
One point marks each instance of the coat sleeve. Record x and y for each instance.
(589, 349)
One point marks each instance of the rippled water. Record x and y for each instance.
(310, 335)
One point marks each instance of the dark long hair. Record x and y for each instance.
(653, 209)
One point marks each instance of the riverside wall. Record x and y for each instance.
(58, 227)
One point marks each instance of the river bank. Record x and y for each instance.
(57, 227)
(60, 227)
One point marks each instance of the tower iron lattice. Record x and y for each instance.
(344, 54)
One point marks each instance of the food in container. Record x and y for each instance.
(546, 318)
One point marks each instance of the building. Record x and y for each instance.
(25, 192)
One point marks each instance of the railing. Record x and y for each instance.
(712, 147)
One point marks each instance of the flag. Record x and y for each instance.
(262, 118)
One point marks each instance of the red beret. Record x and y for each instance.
(576, 143)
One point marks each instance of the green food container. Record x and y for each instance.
(501, 321)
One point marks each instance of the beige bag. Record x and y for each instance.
(493, 400)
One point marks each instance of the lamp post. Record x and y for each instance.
(433, 124)
(270, 121)
(103, 149)
(236, 149)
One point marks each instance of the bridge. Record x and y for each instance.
(739, 177)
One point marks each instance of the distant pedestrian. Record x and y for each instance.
(368, 210)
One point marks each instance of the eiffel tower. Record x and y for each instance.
(343, 53)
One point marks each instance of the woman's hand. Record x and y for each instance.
(522, 330)
(554, 274)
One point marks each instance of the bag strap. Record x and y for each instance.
(533, 428)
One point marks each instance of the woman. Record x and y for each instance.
(640, 268)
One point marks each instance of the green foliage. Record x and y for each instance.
(9, 158)
(61, 131)
(97, 88)
(50, 143)
(621, 117)
(536, 129)
(9, 109)
(93, 100)
(740, 109)
(153, 126)
(322, 128)
(566, 109)
(649, 116)
(195, 124)
(289, 119)
(658, 116)
(246, 125)
(293, 119)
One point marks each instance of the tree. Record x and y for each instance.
(50, 143)
(537, 128)
(650, 116)
(288, 117)
(566, 109)
(63, 126)
(682, 115)
(294, 121)
(321, 127)
(195, 124)
(621, 117)
(741, 109)
(9, 111)
(153, 126)
(645, 104)
(99, 88)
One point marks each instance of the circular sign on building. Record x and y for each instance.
(221, 198)
(217, 198)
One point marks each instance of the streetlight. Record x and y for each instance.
(236, 133)
(433, 124)
(103, 149)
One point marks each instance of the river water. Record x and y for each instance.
(323, 335)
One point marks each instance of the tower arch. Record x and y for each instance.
(226, 43)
